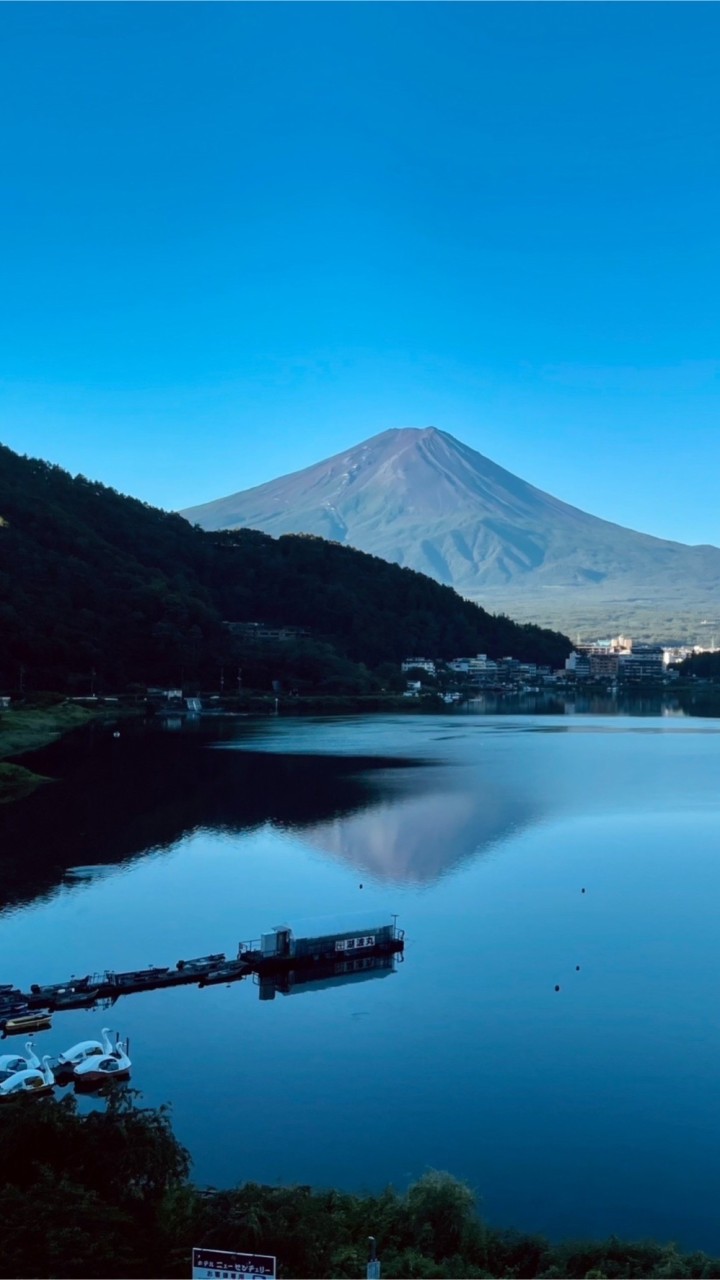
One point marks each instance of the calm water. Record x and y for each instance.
(591, 1110)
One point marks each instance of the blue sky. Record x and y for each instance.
(237, 238)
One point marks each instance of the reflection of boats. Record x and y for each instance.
(322, 976)
(31, 1081)
(112, 1065)
(12, 1062)
(38, 1021)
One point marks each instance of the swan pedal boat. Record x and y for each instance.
(114, 1064)
(89, 1062)
(66, 1063)
(29, 1082)
(10, 1063)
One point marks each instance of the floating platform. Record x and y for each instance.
(279, 958)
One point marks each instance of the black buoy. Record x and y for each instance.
(582, 890)
(577, 967)
(557, 988)
(361, 886)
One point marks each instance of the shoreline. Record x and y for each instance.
(30, 728)
(27, 729)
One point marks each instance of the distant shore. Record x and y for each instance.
(29, 728)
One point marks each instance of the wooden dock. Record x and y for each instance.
(277, 953)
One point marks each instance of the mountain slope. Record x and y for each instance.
(97, 587)
(422, 499)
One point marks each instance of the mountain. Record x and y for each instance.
(420, 498)
(101, 591)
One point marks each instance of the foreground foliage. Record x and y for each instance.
(107, 1194)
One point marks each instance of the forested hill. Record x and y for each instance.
(92, 581)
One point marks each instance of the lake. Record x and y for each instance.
(520, 852)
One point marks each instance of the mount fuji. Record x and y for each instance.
(421, 498)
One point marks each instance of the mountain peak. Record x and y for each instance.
(421, 498)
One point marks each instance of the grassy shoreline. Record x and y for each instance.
(29, 728)
(26, 729)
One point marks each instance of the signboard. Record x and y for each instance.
(218, 1264)
(355, 944)
(373, 1270)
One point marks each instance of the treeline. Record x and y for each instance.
(705, 666)
(99, 591)
(108, 1194)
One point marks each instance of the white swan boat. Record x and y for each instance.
(11, 1063)
(31, 1082)
(112, 1065)
(81, 1052)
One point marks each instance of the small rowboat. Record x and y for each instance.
(76, 999)
(39, 1021)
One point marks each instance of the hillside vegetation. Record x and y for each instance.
(124, 1206)
(101, 591)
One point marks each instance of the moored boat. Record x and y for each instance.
(113, 1065)
(76, 999)
(55, 988)
(80, 1052)
(201, 963)
(10, 1007)
(11, 1063)
(32, 1082)
(227, 972)
(136, 979)
(41, 1020)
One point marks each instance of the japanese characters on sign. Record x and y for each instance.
(219, 1264)
(355, 944)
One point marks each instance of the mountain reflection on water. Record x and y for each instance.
(556, 1048)
(115, 799)
(417, 839)
(118, 799)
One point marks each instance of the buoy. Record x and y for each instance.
(557, 988)
(582, 890)
(577, 967)
(361, 886)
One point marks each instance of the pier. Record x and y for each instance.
(279, 961)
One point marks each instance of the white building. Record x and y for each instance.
(422, 664)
